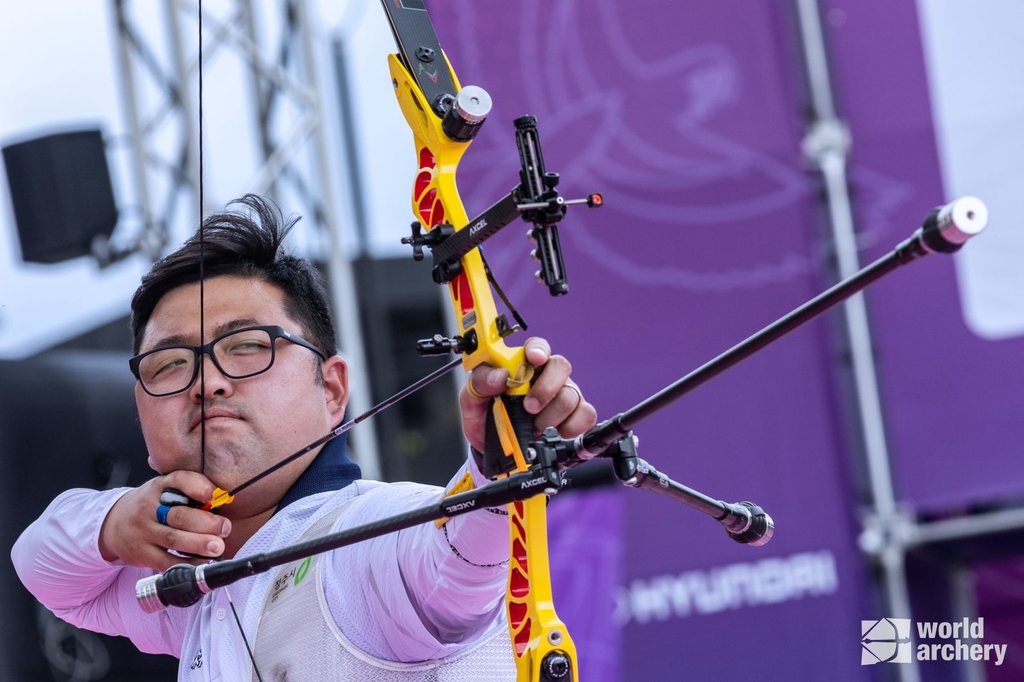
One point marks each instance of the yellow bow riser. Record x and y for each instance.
(535, 627)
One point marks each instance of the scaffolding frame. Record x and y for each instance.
(285, 78)
(889, 529)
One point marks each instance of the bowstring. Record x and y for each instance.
(202, 263)
(245, 639)
(202, 328)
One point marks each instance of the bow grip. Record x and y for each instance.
(509, 431)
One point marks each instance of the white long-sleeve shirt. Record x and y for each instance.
(415, 595)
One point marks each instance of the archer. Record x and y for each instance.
(236, 368)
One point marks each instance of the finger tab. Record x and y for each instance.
(172, 497)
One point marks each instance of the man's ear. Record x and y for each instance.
(335, 386)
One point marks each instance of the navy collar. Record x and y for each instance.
(331, 470)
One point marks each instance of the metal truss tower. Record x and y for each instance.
(287, 155)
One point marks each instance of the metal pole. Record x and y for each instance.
(342, 279)
(827, 143)
(130, 99)
(262, 95)
(184, 98)
(961, 580)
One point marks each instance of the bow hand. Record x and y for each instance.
(553, 400)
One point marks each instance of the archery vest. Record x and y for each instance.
(297, 639)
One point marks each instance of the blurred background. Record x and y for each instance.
(750, 155)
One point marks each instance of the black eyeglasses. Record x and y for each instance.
(238, 354)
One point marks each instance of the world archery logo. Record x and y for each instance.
(886, 640)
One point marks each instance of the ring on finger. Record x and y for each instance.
(579, 394)
(161, 513)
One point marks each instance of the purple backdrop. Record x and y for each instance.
(954, 404)
(688, 118)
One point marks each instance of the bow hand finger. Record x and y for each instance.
(568, 411)
(555, 399)
(483, 384)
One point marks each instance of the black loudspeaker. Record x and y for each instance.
(420, 438)
(67, 420)
(61, 194)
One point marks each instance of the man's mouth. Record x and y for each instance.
(212, 415)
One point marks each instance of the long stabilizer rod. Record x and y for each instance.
(944, 230)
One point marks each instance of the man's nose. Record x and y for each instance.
(210, 382)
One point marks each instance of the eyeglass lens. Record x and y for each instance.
(238, 355)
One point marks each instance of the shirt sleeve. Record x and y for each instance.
(425, 592)
(58, 560)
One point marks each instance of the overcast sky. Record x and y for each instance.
(60, 72)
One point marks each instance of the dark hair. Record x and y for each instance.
(245, 243)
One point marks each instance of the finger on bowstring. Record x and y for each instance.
(198, 521)
(200, 544)
(162, 560)
(191, 484)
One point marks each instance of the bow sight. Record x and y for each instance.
(536, 200)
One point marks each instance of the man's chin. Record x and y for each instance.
(227, 469)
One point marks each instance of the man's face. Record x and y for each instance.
(250, 423)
